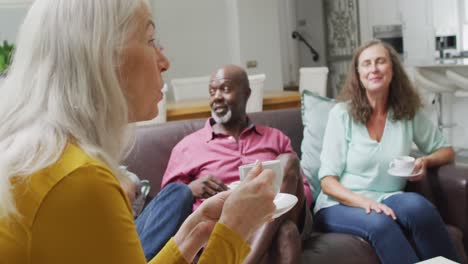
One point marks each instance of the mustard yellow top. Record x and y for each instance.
(76, 212)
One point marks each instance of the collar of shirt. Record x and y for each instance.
(210, 134)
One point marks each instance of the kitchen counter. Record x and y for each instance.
(453, 98)
(462, 157)
(445, 63)
(462, 61)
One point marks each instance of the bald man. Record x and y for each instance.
(208, 160)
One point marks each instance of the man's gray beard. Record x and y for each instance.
(222, 119)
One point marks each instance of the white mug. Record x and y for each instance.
(403, 164)
(274, 165)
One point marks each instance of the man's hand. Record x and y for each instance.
(207, 186)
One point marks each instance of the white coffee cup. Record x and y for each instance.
(274, 165)
(403, 164)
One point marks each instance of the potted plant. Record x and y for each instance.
(6, 53)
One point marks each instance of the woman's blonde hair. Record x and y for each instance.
(403, 98)
(62, 86)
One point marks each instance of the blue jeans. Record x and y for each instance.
(163, 216)
(416, 216)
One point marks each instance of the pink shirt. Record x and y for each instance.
(205, 152)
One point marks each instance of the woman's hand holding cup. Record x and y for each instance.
(250, 205)
(420, 165)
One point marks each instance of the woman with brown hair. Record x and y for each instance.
(378, 120)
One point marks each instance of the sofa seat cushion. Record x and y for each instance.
(348, 249)
(338, 248)
(457, 238)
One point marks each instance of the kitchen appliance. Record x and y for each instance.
(445, 43)
(391, 34)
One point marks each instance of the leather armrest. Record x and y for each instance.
(452, 195)
(447, 188)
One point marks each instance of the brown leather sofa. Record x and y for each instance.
(446, 186)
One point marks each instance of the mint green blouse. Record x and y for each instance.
(361, 163)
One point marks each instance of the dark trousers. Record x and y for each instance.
(163, 216)
(416, 216)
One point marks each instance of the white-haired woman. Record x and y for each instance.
(82, 70)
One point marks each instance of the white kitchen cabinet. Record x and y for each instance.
(418, 31)
(377, 13)
(416, 18)
(445, 15)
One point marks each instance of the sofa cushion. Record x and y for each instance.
(152, 149)
(337, 248)
(349, 249)
(315, 109)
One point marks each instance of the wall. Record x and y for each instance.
(460, 131)
(445, 15)
(311, 12)
(259, 39)
(454, 112)
(11, 17)
(289, 46)
(200, 36)
(377, 12)
(416, 18)
(194, 35)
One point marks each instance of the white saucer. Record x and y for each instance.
(403, 174)
(283, 202)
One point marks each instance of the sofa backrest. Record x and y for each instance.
(154, 142)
